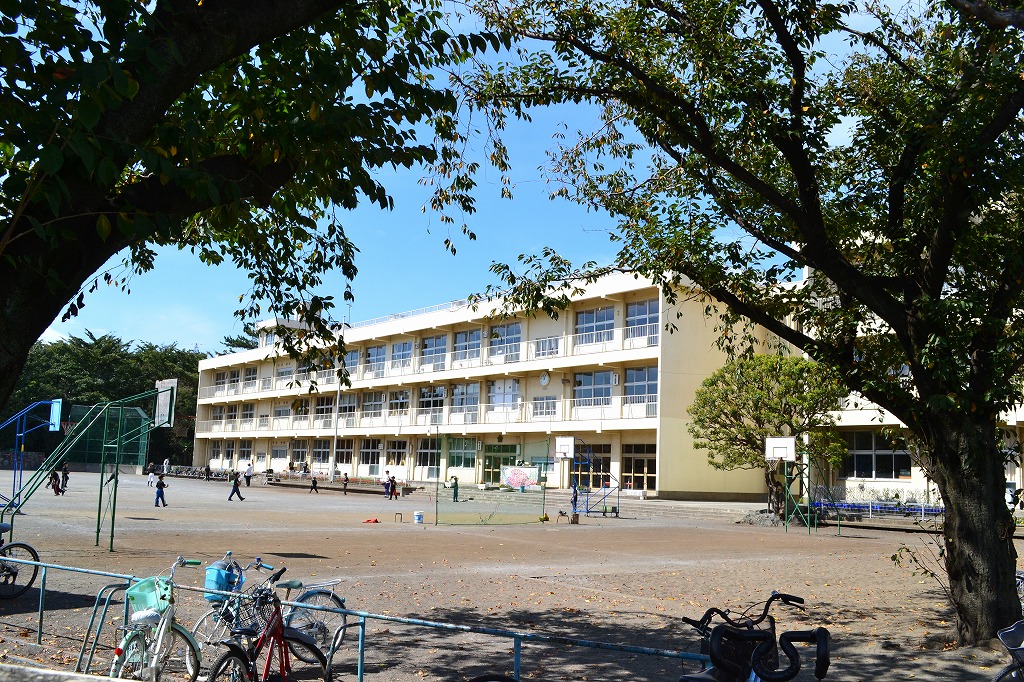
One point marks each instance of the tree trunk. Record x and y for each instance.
(968, 469)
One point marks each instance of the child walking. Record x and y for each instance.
(234, 488)
(160, 485)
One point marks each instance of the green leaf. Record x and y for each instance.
(51, 159)
(103, 226)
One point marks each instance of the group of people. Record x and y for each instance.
(59, 482)
(390, 486)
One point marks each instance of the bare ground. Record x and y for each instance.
(622, 580)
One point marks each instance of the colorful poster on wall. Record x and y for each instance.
(519, 477)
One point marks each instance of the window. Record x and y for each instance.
(465, 397)
(217, 413)
(322, 452)
(593, 388)
(431, 398)
(234, 377)
(546, 347)
(343, 451)
(369, 453)
(285, 372)
(467, 344)
(324, 408)
(505, 340)
(395, 452)
(251, 375)
(350, 360)
(398, 402)
(639, 466)
(279, 452)
(248, 410)
(434, 350)
(428, 454)
(215, 449)
(595, 326)
(401, 354)
(282, 411)
(641, 384)
(231, 412)
(462, 452)
(301, 407)
(245, 450)
(375, 361)
(299, 450)
(348, 403)
(872, 455)
(546, 465)
(642, 319)
(229, 450)
(220, 378)
(592, 465)
(269, 339)
(544, 406)
(373, 403)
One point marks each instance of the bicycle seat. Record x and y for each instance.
(146, 617)
(289, 585)
(4, 527)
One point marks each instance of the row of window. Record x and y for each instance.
(873, 455)
(592, 326)
(590, 388)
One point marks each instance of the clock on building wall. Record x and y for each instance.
(544, 378)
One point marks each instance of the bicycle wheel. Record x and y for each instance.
(1011, 673)
(15, 579)
(132, 660)
(320, 625)
(230, 667)
(177, 659)
(213, 627)
(307, 662)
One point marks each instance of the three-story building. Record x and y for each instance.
(451, 390)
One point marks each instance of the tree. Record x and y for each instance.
(744, 144)
(100, 369)
(247, 340)
(751, 398)
(233, 129)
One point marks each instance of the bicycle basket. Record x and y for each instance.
(1013, 639)
(150, 593)
(219, 579)
(741, 651)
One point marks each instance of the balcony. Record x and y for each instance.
(544, 348)
(520, 412)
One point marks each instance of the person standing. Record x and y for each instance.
(235, 490)
(344, 484)
(55, 482)
(248, 474)
(455, 488)
(312, 485)
(65, 474)
(394, 488)
(160, 485)
(206, 471)
(167, 466)
(387, 484)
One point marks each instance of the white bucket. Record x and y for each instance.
(417, 517)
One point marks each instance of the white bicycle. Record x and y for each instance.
(155, 646)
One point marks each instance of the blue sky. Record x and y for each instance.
(402, 262)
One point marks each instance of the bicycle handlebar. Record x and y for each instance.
(744, 621)
(277, 576)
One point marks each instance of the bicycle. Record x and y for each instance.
(276, 643)
(1013, 639)
(734, 653)
(155, 646)
(11, 572)
(215, 625)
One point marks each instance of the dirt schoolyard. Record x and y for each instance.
(621, 580)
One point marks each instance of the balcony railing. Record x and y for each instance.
(583, 409)
(548, 347)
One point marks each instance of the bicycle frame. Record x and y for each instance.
(273, 634)
(156, 637)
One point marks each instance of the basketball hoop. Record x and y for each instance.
(772, 465)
